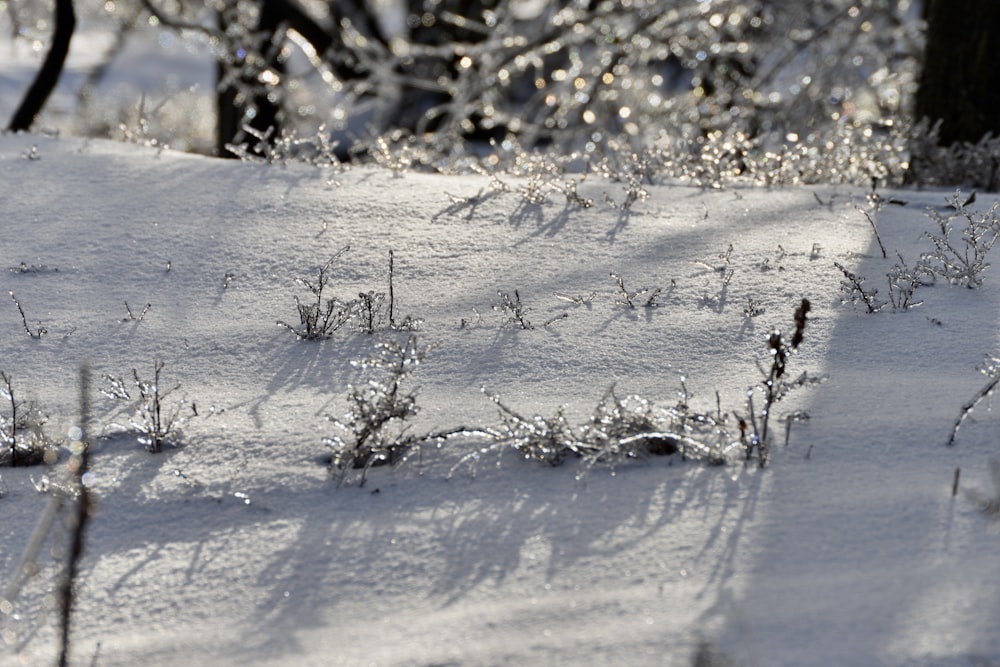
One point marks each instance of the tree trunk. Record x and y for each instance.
(48, 75)
(960, 83)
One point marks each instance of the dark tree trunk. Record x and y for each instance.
(960, 83)
(48, 75)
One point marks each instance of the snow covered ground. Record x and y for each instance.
(237, 548)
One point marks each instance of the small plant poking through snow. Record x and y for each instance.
(961, 261)
(514, 312)
(132, 317)
(371, 311)
(39, 332)
(22, 440)
(631, 299)
(379, 411)
(755, 436)
(991, 369)
(876, 203)
(408, 323)
(637, 171)
(855, 292)
(156, 424)
(320, 317)
(903, 282)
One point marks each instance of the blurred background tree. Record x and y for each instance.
(960, 80)
(587, 77)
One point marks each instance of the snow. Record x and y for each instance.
(237, 548)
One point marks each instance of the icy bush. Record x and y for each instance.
(854, 291)
(903, 281)
(22, 438)
(962, 260)
(320, 317)
(721, 87)
(374, 430)
(975, 165)
(623, 429)
(319, 150)
(156, 424)
(619, 430)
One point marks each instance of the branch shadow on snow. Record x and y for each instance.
(321, 367)
(543, 217)
(445, 548)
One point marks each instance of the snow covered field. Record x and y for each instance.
(237, 548)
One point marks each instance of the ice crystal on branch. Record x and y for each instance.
(619, 430)
(322, 316)
(903, 282)
(375, 424)
(156, 424)
(855, 292)
(991, 369)
(22, 439)
(774, 386)
(962, 260)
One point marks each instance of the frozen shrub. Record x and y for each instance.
(903, 282)
(961, 261)
(22, 439)
(633, 428)
(977, 165)
(379, 411)
(156, 424)
(545, 439)
(724, 86)
(371, 311)
(368, 311)
(618, 431)
(320, 317)
(319, 150)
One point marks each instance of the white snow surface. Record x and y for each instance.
(236, 547)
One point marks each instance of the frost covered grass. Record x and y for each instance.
(325, 485)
